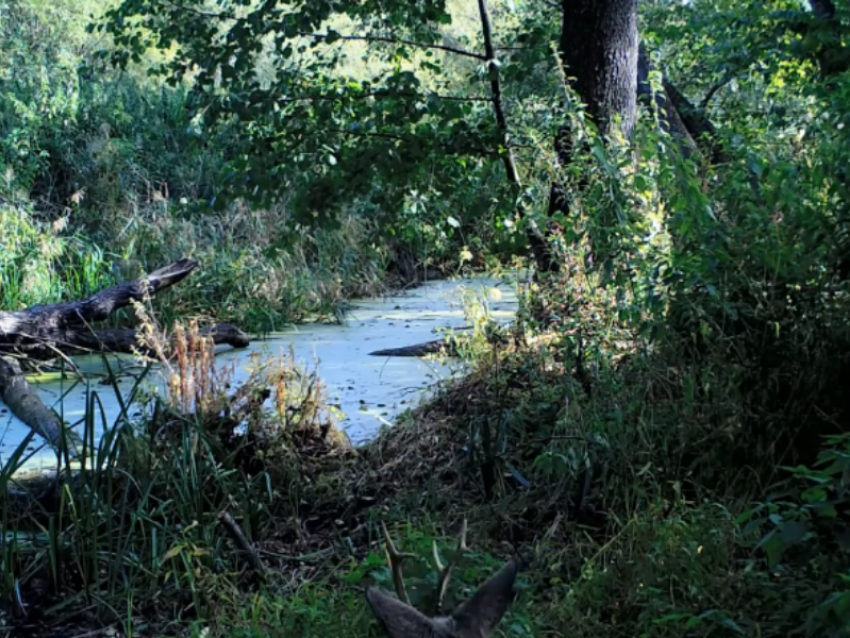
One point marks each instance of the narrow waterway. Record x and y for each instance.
(370, 391)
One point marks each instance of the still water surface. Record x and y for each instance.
(370, 391)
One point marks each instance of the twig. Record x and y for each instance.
(242, 543)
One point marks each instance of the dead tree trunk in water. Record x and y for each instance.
(62, 329)
(28, 407)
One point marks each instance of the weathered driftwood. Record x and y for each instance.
(118, 340)
(46, 332)
(28, 407)
(436, 346)
(42, 332)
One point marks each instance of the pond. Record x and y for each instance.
(370, 391)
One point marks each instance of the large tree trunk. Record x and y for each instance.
(599, 52)
(58, 330)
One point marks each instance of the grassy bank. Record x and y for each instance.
(620, 487)
(245, 279)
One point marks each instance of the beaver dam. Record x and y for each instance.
(365, 391)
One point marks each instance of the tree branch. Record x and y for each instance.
(696, 122)
(496, 93)
(252, 558)
(686, 122)
(378, 94)
(375, 38)
(714, 89)
(59, 317)
(125, 341)
(40, 331)
(540, 248)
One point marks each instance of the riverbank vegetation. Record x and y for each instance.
(661, 435)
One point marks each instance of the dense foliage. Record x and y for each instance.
(664, 430)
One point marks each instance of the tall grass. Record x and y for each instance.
(247, 275)
(135, 526)
(41, 263)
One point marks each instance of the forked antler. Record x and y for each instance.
(444, 572)
(395, 559)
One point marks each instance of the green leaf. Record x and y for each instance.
(773, 546)
(793, 532)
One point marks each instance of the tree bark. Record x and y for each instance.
(599, 52)
(679, 117)
(45, 332)
(41, 332)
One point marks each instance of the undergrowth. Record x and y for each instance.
(662, 436)
(609, 490)
(247, 281)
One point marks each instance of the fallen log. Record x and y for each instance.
(25, 403)
(42, 332)
(447, 346)
(437, 346)
(64, 329)
(124, 340)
